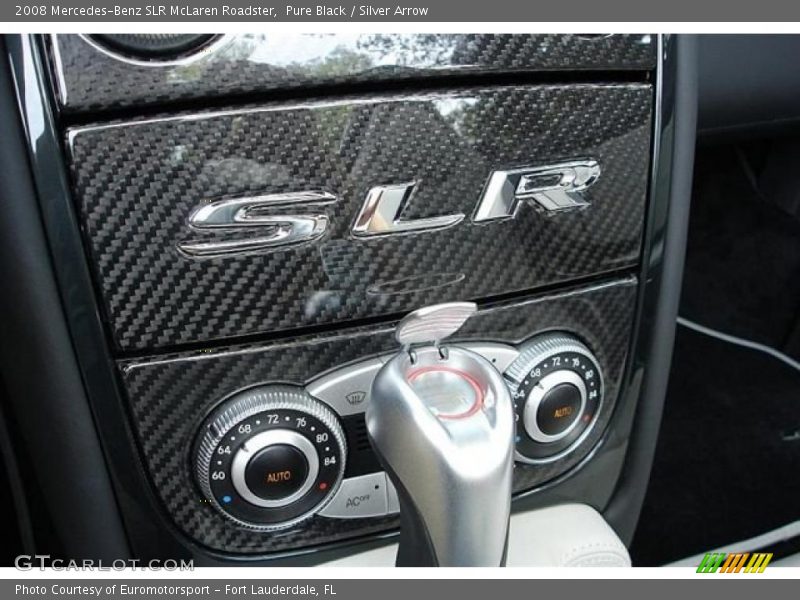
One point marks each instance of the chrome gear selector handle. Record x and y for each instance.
(441, 421)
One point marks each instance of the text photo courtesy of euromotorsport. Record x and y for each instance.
(224, 10)
(125, 589)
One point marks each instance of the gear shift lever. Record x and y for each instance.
(441, 421)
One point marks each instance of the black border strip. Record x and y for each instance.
(662, 272)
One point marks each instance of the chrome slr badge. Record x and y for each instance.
(283, 229)
(552, 188)
(380, 214)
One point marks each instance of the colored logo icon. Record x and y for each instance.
(742, 562)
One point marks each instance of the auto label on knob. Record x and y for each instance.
(270, 457)
(557, 387)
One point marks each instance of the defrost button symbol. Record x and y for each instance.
(356, 398)
(346, 390)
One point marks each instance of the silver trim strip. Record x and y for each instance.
(61, 84)
(333, 387)
(500, 355)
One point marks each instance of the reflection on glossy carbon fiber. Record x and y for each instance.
(170, 398)
(421, 283)
(89, 79)
(135, 208)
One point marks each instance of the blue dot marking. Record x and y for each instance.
(226, 499)
(517, 440)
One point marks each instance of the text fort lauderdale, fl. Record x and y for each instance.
(297, 590)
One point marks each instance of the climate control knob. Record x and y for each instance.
(270, 457)
(557, 386)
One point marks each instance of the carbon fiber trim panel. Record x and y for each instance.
(137, 183)
(170, 397)
(90, 79)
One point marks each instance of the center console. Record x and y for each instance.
(255, 215)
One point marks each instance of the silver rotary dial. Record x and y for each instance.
(557, 386)
(270, 457)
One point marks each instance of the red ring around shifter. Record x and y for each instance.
(478, 404)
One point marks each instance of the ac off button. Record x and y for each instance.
(363, 496)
